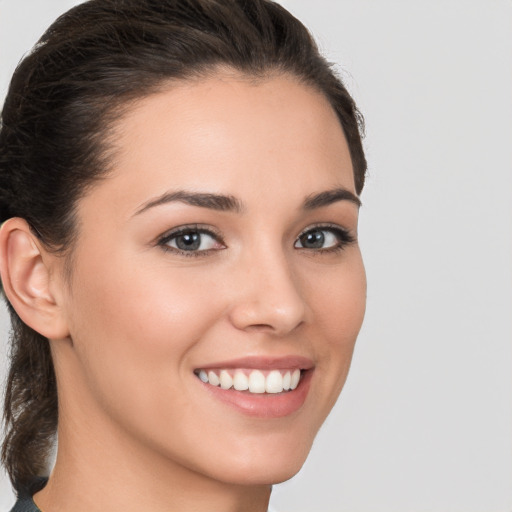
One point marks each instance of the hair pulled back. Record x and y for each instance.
(93, 61)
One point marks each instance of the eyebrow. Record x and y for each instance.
(329, 197)
(217, 202)
(228, 203)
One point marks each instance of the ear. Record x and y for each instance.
(26, 270)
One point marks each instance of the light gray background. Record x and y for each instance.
(425, 420)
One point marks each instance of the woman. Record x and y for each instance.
(179, 198)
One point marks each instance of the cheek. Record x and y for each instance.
(134, 339)
(134, 327)
(146, 306)
(338, 301)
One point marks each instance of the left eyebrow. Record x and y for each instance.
(329, 197)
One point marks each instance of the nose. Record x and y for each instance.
(268, 296)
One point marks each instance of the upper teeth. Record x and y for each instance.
(255, 381)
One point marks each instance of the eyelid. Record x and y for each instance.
(326, 226)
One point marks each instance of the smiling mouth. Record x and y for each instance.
(252, 380)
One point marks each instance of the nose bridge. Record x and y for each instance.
(270, 293)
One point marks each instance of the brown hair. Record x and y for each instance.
(62, 100)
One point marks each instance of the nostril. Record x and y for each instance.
(266, 317)
(260, 327)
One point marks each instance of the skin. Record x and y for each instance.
(136, 318)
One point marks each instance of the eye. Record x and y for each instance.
(324, 238)
(191, 240)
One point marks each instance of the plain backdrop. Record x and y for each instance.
(425, 420)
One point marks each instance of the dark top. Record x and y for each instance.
(25, 505)
(25, 502)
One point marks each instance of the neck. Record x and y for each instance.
(109, 471)
(118, 483)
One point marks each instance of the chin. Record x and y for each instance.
(265, 468)
(270, 474)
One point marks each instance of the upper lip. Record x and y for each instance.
(264, 363)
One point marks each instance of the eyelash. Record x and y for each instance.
(345, 238)
(183, 230)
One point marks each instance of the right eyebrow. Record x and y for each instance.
(329, 197)
(219, 202)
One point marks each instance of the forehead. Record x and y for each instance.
(229, 134)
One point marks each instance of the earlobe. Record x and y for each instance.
(26, 276)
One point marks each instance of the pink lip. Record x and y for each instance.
(263, 363)
(265, 405)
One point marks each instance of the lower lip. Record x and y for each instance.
(264, 405)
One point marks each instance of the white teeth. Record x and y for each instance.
(256, 382)
(276, 381)
(295, 379)
(213, 379)
(240, 381)
(287, 381)
(226, 381)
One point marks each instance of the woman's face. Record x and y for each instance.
(223, 246)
